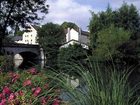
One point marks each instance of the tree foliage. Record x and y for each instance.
(51, 36)
(126, 17)
(19, 33)
(72, 53)
(98, 22)
(109, 40)
(66, 25)
(15, 13)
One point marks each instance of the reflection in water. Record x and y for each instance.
(17, 62)
(21, 64)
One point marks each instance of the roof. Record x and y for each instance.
(75, 41)
(79, 30)
(84, 33)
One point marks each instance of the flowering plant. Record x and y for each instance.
(28, 87)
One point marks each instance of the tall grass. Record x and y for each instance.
(98, 86)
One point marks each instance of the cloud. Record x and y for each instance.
(77, 11)
(68, 10)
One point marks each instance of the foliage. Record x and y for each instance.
(126, 17)
(19, 33)
(51, 36)
(8, 39)
(6, 63)
(66, 25)
(72, 53)
(98, 22)
(15, 13)
(109, 40)
(99, 86)
(29, 87)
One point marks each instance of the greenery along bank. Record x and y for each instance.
(115, 34)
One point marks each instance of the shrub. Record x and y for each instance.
(28, 87)
(73, 53)
(6, 63)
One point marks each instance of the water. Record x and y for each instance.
(21, 64)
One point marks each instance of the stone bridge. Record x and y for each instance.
(30, 53)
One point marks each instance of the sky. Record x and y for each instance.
(78, 11)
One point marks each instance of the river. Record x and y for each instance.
(20, 64)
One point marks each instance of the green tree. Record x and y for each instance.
(72, 53)
(51, 37)
(19, 33)
(15, 13)
(109, 40)
(98, 22)
(66, 25)
(126, 17)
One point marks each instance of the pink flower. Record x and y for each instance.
(27, 82)
(2, 96)
(21, 93)
(56, 102)
(37, 91)
(6, 91)
(3, 102)
(33, 89)
(43, 101)
(11, 97)
(14, 76)
(32, 71)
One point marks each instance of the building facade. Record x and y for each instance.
(72, 36)
(77, 36)
(29, 36)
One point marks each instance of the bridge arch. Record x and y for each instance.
(31, 53)
(29, 59)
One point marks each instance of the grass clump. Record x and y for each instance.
(99, 86)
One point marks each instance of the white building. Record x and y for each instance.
(72, 36)
(29, 36)
(77, 36)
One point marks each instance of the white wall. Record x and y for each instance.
(29, 37)
(72, 35)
